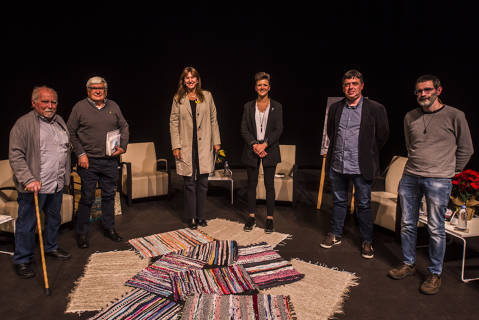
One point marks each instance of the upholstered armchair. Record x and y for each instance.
(284, 182)
(384, 203)
(140, 177)
(9, 204)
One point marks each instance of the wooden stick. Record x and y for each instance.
(352, 201)
(321, 183)
(44, 266)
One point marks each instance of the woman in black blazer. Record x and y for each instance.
(261, 127)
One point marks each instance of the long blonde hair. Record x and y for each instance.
(181, 91)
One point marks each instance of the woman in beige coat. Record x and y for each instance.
(194, 135)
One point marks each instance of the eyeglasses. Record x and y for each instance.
(96, 88)
(52, 102)
(425, 90)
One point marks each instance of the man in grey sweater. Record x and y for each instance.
(89, 122)
(439, 145)
(39, 154)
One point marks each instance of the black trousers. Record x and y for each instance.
(195, 196)
(105, 172)
(268, 184)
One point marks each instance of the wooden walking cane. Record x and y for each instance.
(321, 183)
(44, 266)
(352, 201)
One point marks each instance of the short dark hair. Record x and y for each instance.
(353, 73)
(429, 77)
(261, 76)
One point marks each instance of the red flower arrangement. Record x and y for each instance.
(465, 185)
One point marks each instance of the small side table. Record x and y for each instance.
(473, 226)
(4, 219)
(219, 176)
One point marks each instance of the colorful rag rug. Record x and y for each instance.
(139, 304)
(234, 307)
(222, 281)
(266, 267)
(172, 241)
(156, 277)
(217, 253)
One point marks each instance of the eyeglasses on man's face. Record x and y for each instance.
(97, 88)
(52, 102)
(425, 90)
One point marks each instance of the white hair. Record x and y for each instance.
(96, 80)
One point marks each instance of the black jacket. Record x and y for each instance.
(373, 134)
(274, 129)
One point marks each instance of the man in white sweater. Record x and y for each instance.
(439, 145)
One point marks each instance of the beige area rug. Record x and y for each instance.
(222, 229)
(320, 294)
(103, 279)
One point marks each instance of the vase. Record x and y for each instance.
(470, 206)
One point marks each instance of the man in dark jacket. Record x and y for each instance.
(39, 154)
(93, 120)
(357, 128)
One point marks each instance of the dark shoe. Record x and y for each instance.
(330, 240)
(249, 225)
(269, 226)
(402, 272)
(367, 250)
(59, 254)
(24, 270)
(82, 241)
(432, 284)
(192, 224)
(202, 223)
(111, 233)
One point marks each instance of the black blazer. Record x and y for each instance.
(373, 134)
(274, 129)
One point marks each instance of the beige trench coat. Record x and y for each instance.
(181, 132)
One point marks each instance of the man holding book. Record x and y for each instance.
(94, 124)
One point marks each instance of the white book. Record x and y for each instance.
(112, 141)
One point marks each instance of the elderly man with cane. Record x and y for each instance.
(39, 154)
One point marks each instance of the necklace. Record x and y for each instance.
(261, 120)
(424, 122)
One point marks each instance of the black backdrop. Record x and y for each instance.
(141, 50)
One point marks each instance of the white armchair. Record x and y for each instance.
(284, 183)
(140, 177)
(384, 203)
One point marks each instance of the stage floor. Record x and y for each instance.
(376, 296)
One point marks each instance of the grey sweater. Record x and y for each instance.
(439, 144)
(24, 150)
(88, 126)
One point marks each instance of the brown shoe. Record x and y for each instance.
(432, 284)
(402, 272)
(330, 241)
(367, 250)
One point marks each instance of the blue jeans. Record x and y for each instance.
(26, 224)
(437, 191)
(340, 185)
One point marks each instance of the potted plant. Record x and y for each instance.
(465, 191)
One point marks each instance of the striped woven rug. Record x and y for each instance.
(215, 254)
(216, 307)
(172, 241)
(156, 277)
(266, 267)
(139, 304)
(221, 281)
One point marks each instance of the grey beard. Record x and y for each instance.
(429, 102)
